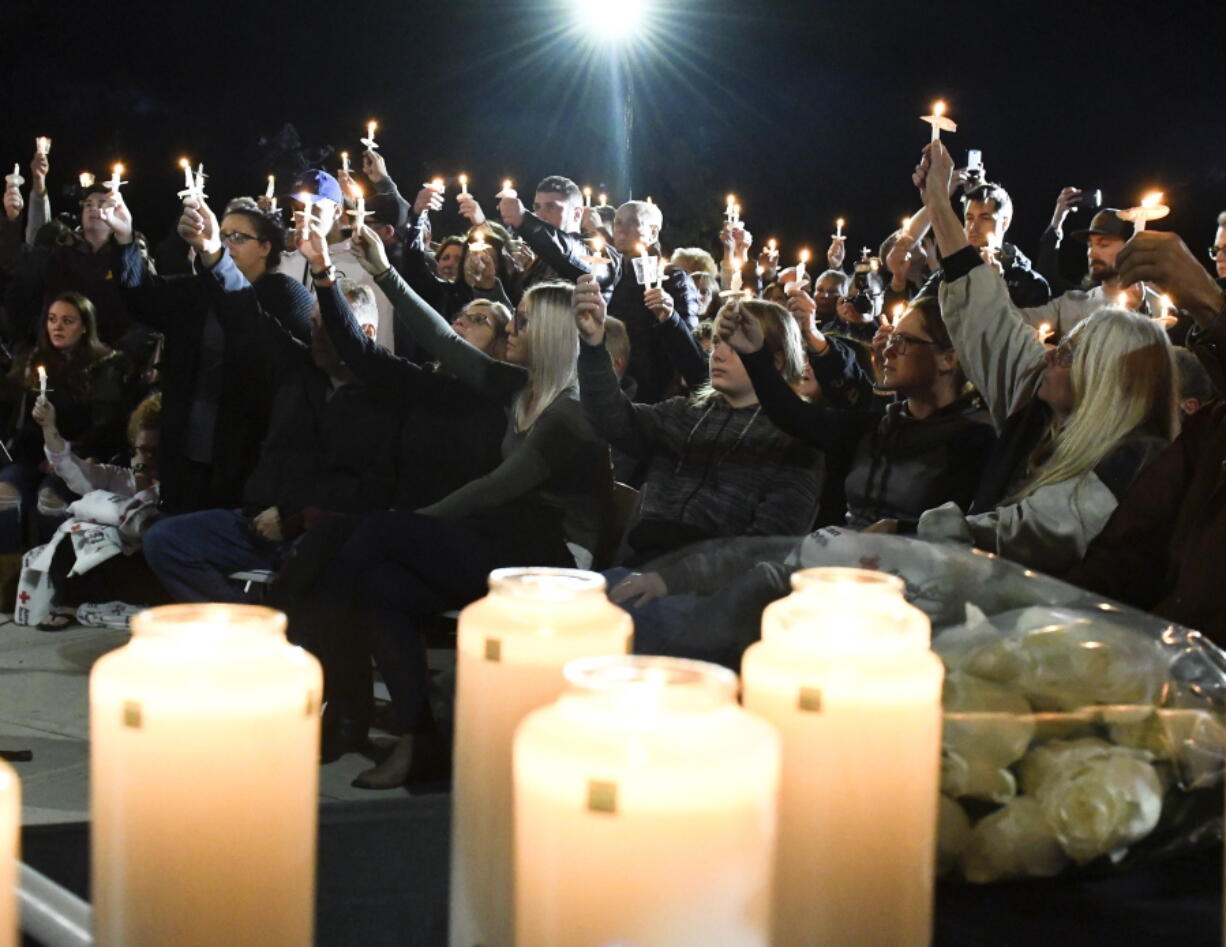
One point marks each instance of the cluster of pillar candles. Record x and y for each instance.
(599, 797)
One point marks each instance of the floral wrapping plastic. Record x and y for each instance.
(1079, 735)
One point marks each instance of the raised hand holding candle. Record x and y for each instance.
(604, 200)
(844, 670)
(510, 651)
(345, 162)
(369, 140)
(10, 838)
(587, 197)
(14, 180)
(359, 213)
(800, 266)
(838, 229)
(1150, 208)
(42, 145)
(508, 191)
(204, 770)
(939, 121)
(644, 810)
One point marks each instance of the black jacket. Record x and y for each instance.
(178, 307)
(1026, 286)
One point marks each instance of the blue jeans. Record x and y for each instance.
(193, 554)
(29, 481)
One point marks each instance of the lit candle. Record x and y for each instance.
(369, 140)
(604, 200)
(464, 185)
(597, 257)
(773, 246)
(939, 121)
(1150, 208)
(204, 771)
(587, 197)
(838, 229)
(438, 184)
(906, 226)
(42, 382)
(800, 266)
(271, 190)
(358, 214)
(845, 672)
(42, 145)
(897, 313)
(15, 179)
(736, 213)
(10, 851)
(730, 208)
(1122, 301)
(1045, 332)
(645, 804)
(189, 186)
(85, 179)
(345, 162)
(510, 651)
(115, 182)
(508, 191)
(649, 200)
(200, 195)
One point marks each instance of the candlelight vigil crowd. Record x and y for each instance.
(315, 387)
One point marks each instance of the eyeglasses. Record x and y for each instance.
(900, 342)
(475, 318)
(237, 238)
(1215, 252)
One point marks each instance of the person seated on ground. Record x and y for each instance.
(97, 554)
(544, 504)
(87, 384)
(716, 465)
(925, 448)
(329, 446)
(988, 211)
(1076, 423)
(215, 382)
(1104, 239)
(1162, 549)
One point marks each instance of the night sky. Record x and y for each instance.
(807, 111)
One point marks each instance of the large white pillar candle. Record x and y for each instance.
(510, 651)
(10, 836)
(204, 772)
(844, 670)
(645, 809)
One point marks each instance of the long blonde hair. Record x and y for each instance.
(554, 345)
(1123, 379)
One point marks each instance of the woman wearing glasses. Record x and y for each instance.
(924, 448)
(216, 387)
(1217, 252)
(1077, 423)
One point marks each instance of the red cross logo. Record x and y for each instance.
(23, 597)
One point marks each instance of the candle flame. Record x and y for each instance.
(906, 223)
(804, 256)
(772, 244)
(598, 245)
(649, 200)
(86, 179)
(1167, 304)
(1122, 301)
(304, 197)
(345, 157)
(587, 192)
(898, 311)
(184, 163)
(604, 200)
(370, 128)
(42, 374)
(439, 183)
(1152, 199)
(1045, 328)
(839, 223)
(641, 249)
(938, 108)
(506, 184)
(117, 169)
(731, 199)
(356, 191)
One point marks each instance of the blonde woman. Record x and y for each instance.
(542, 505)
(1076, 423)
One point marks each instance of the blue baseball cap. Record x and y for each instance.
(321, 184)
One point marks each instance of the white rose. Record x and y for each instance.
(1013, 842)
(953, 833)
(1081, 663)
(1101, 802)
(1041, 762)
(986, 724)
(972, 779)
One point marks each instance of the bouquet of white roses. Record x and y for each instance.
(1078, 733)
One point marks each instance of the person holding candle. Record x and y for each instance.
(216, 387)
(543, 505)
(925, 448)
(716, 466)
(86, 381)
(1104, 238)
(1076, 423)
(552, 231)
